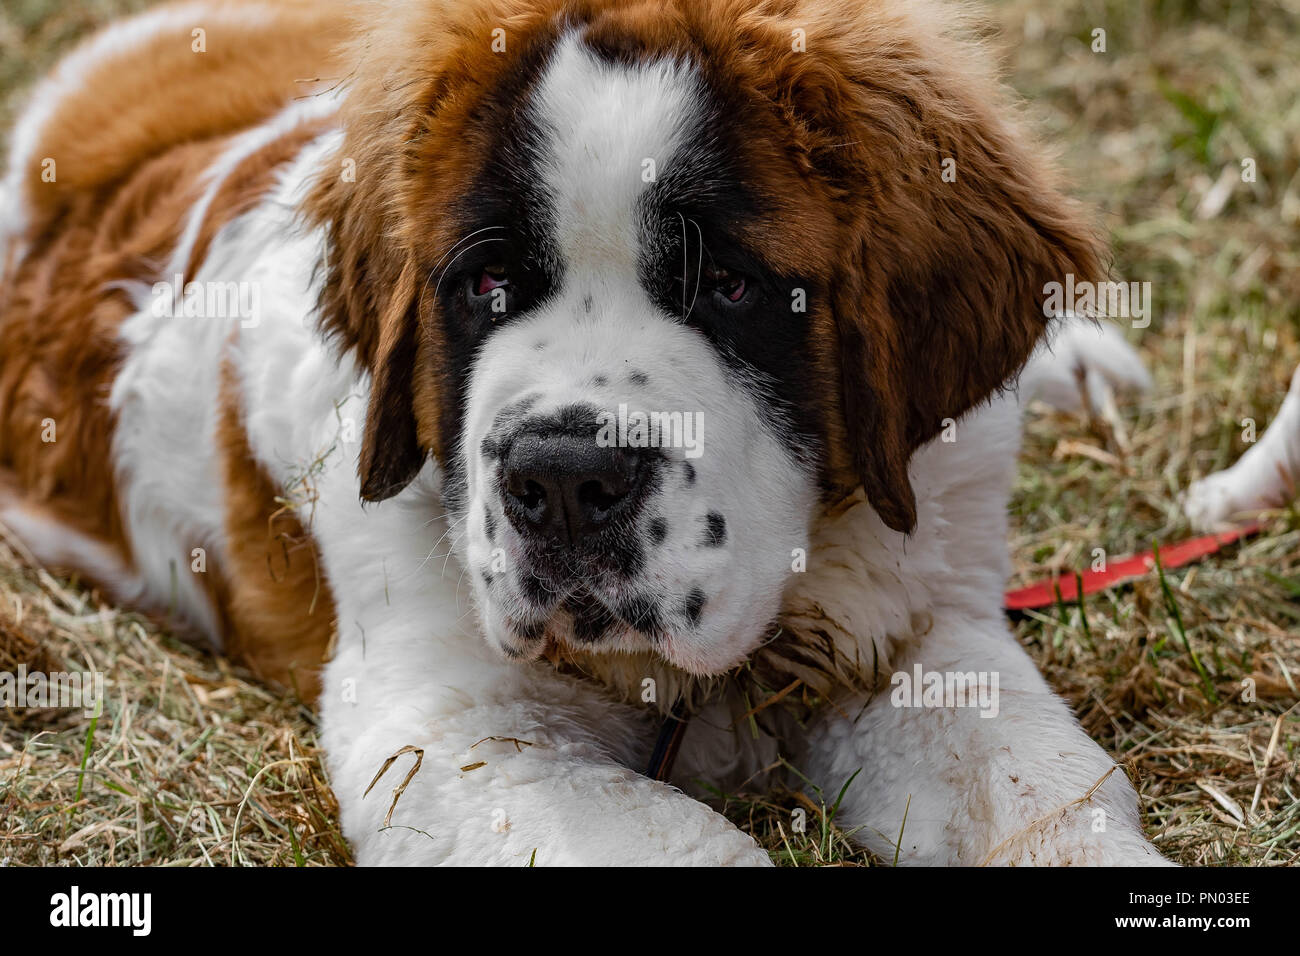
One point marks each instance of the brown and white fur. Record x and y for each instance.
(454, 230)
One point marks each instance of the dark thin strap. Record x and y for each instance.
(669, 741)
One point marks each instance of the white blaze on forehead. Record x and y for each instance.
(609, 130)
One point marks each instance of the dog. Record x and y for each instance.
(518, 378)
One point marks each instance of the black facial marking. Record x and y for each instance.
(715, 530)
(600, 381)
(693, 606)
(586, 304)
(529, 630)
(631, 558)
(639, 378)
(642, 613)
(494, 445)
(490, 523)
(488, 577)
(688, 472)
(695, 215)
(658, 530)
(535, 589)
(591, 619)
(508, 415)
(504, 219)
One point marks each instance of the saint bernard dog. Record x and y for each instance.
(539, 385)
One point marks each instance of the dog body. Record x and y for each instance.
(318, 363)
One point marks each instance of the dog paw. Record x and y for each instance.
(1085, 360)
(1212, 502)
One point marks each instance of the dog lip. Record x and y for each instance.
(603, 613)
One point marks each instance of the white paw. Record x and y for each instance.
(1083, 357)
(1212, 502)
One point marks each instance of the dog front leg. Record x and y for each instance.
(1000, 774)
(500, 764)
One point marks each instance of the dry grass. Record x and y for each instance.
(1186, 92)
(189, 764)
(192, 764)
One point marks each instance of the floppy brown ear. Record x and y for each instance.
(391, 454)
(940, 300)
(369, 302)
(369, 306)
(382, 201)
(944, 218)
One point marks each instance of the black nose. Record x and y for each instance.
(563, 487)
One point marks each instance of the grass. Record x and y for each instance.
(189, 764)
(1185, 93)
(1189, 677)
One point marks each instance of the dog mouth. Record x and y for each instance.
(583, 624)
(583, 619)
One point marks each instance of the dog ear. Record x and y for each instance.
(940, 296)
(948, 315)
(944, 220)
(413, 87)
(391, 453)
(369, 306)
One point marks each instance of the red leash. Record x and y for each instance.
(1044, 593)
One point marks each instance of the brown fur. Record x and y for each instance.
(277, 605)
(247, 183)
(130, 149)
(144, 102)
(58, 337)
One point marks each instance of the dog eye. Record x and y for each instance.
(732, 286)
(492, 277)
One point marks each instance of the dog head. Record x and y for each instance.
(653, 281)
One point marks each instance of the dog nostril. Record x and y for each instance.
(600, 495)
(531, 495)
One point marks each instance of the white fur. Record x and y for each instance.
(515, 758)
(165, 395)
(1007, 789)
(1266, 476)
(1083, 361)
(54, 544)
